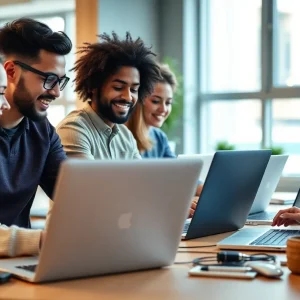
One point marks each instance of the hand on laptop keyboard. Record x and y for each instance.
(286, 217)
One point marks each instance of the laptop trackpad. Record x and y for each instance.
(244, 236)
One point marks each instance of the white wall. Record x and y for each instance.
(139, 17)
(171, 25)
(171, 29)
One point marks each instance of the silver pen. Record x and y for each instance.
(225, 269)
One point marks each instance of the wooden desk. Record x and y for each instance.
(167, 283)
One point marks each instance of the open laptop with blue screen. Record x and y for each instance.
(111, 217)
(228, 192)
(259, 213)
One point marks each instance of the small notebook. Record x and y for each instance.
(283, 198)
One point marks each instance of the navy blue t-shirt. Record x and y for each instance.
(28, 158)
(160, 147)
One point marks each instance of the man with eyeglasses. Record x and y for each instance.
(30, 149)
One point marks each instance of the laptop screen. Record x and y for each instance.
(297, 200)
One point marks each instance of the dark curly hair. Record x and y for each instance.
(103, 59)
(25, 38)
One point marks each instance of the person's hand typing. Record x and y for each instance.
(193, 206)
(286, 217)
(199, 189)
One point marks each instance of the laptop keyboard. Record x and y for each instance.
(264, 215)
(275, 237)
(186, 227)
(30, 268)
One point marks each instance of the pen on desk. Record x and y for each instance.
(225, 269)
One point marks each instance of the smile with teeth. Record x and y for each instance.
(159, 117)
(46, 102)
(123, 106)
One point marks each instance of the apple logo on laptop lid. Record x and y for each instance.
(124, 221)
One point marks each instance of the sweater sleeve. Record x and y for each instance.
(16, 241)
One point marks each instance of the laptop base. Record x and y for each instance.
(243, 239)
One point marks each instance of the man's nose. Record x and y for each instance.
(127, 95)
(55, 91)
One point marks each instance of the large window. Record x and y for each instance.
(232, 52)
(249, 62)
(286, 43)
(237, 122)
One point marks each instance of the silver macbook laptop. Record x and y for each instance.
(259, 214)
(266, 239)
(228, 192)
(112, 216)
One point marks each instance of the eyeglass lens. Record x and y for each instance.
(52, 80)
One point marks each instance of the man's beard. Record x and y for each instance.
(25, 103)
(105, 109)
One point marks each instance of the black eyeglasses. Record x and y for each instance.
(2, 89)
(50, 79)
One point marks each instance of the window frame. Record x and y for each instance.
(195, 24)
